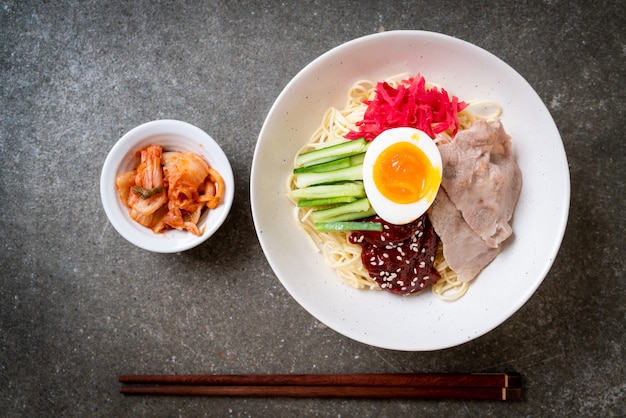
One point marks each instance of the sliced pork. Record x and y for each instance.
(466, 253)
(482, 179)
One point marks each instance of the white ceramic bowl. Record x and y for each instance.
(173, 135)
(421, 322)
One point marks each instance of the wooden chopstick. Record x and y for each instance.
(353, 379)
(369, 392)
(479, 386)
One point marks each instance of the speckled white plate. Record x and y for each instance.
(421, 322)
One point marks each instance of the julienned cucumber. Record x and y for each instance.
(332, 165)
(348, 226)
(348, 189)
(358, 209)
(343, 174)
(334, 152)
(329, 180)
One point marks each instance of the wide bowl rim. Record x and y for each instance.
(258, 193)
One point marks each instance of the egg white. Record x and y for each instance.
(392, 212)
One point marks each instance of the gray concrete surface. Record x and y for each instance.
(79, 305)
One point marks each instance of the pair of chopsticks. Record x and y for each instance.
(466, 386)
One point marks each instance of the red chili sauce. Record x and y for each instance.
(400, 258)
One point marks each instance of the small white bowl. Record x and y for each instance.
(172, 135)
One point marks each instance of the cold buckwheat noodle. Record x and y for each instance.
(338, 252)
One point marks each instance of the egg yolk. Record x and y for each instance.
(404, 174)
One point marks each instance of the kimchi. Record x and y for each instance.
(170, 190)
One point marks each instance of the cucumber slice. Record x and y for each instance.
(348, 226)
(344, 174)
(351, 216)
(325, 202)
(358, 209)
(332, 165)
(334, 152)
(348, 189)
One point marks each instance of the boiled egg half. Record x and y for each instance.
(402, 174)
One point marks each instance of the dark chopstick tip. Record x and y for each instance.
(513, 394)
(514, 380)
